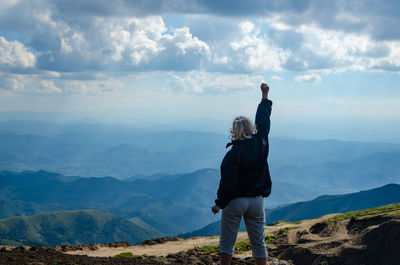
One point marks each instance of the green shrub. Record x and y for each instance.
(284, 230)
(161, 260)
(280, 232)
(270, 238)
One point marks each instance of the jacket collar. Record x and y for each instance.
(241, 140)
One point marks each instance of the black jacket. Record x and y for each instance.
(244, 169)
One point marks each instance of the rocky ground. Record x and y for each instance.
(369, 241)
(329, 240)
(42, 256)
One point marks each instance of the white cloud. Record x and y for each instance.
(253, 52)
(8, 3)
(14, 55)
(184, 41)
(80, 42)
(313, 48)
(378, 18)
(92, 87)
(52, 74)
(246, 26)
(88, 43)
(26, 84)
(121, 44)
(275, 77)
(47, 84)
(135, 40)
(308, 78)
(200, 82)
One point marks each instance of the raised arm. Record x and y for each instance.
(263, 122)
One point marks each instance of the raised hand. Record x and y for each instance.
(264, 89)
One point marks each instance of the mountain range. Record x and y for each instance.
(172, 203)
(121, 151)
(166, 180)
(179, 203)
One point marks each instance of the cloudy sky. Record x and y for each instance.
(199, 59)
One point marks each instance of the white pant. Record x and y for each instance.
(252, 210)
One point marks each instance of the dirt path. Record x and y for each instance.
(162, 249)
(292, 234)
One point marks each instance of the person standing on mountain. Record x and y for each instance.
(245, 180)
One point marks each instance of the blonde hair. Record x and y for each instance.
(242, 128)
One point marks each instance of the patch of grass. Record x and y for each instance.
(210, 249)
(242, 246)
(283, 222)
(130, 255)
(280, 232)
(284, 230)
(125, 255)
(270, 238)
(386, 210)
(161, 260)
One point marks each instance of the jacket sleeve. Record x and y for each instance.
(229, 178)
(263, 122)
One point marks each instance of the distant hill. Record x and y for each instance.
(336, 204)
(72, 227)
(10, 208)
(209, 230)
(318, 207)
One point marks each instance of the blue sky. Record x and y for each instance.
(186, 59)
